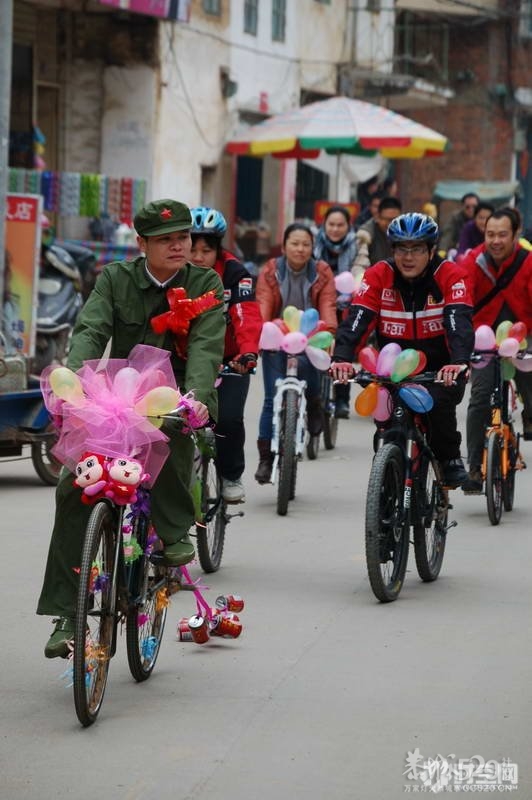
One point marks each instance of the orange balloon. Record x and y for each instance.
(367, 400)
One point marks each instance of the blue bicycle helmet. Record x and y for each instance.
(413, 227)
(208, 221)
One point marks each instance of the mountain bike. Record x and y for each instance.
(501, 457)
(288, 432)
(405, 492)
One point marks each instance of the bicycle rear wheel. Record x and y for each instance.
(386, 525)
(494, 477)
(210, 533)
(430, 525)
(148, 604)
(286, 484)
(95, 614)
(508, 483)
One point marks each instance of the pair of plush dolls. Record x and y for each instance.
(115, 478)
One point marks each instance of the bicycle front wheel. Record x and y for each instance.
(148, 604)
(210, 532)
(386, 524)
(494, 477)
(286, 485)
(95, 613)
(508, 482)
(430, 525)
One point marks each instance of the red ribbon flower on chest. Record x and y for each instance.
(182, 311)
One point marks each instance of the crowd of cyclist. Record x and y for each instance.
(409, 292)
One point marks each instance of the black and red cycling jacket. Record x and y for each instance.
(242, 312)
(432, 313)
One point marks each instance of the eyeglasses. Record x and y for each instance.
(417, 250)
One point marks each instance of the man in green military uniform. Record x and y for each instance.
(127, 295)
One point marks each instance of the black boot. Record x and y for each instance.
(264, 470)
(341, 400)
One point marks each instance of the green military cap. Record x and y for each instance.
(162, 216)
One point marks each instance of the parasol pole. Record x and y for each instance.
(338, 157)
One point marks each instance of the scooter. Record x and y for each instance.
(60, 300)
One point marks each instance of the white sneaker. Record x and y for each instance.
(233, 491)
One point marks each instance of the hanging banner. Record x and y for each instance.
(23, 247)
(178, 10)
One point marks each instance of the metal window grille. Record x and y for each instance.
(278, 20)
(212, 7)
(251, 16)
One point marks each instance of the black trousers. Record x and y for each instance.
(230, 432)
(443, 434)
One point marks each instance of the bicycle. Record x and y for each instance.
(288, 432)
(405, 491)
(501, 457)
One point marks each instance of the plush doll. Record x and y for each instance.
(124, 475)
(91, 477)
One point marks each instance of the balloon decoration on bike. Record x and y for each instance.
(509, 340)
(299, 332)
(395, 365)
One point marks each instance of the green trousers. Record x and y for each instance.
(172, 516)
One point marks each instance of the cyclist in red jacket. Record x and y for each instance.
(500, 273)
(244, 325)
(420, 301)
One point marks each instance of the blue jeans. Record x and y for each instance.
(273, 367)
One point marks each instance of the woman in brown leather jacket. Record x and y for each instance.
(293, 279)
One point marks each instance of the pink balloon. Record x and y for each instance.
(368, 358)
(387, 357)
(523, 364)
(509, 347)
(384, 406)
(318, 358)
(294, 342)
(271, 337)
(484, 338)
(345, 283)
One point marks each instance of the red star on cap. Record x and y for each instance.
(166, 213)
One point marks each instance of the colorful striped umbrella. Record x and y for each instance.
(338, 125)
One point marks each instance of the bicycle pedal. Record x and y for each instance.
(236, 514)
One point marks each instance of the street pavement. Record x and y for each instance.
(326, 692)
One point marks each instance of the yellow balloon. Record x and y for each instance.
(66, 385)
(292, 318)
(158, 401)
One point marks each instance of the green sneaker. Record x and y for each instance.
(57, 644)
(179, 553)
